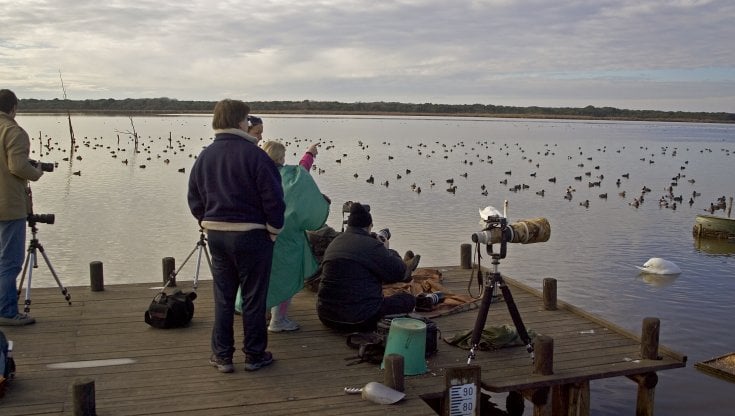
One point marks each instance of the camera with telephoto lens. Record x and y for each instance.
(41, 218)
(46, 167)
(497, 230)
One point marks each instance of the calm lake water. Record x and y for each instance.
(128, 209)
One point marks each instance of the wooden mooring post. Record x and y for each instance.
(96, 277)
(647, 382)
(169, 269)
(83, 397)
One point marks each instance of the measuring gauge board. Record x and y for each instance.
(462, 394)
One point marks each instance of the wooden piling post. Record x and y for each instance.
(549, 294)
(647, 382)
(83, 397)
(169, 267)
(649, 338)
(543, 364)
(96, 277)
(465, 256)
(394, 377)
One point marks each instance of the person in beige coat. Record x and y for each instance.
(16, 170)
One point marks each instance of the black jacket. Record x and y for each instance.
(354, 268)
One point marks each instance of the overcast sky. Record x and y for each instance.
(635, 54)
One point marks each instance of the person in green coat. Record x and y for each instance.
(307, 209)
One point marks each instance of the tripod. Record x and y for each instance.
(493, 281)
(199, 248)
(32, 261)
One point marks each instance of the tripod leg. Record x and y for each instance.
(516, 316)
(487, 298)
(202, 247)
(28, 267)
(64, 292)
(25, 269)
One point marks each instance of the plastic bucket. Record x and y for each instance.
(407, 337)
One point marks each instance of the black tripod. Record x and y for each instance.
(491, 282)
(199, 248)
(32, 260)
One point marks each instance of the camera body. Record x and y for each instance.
(46, 167)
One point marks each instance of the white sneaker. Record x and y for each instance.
(282, 325)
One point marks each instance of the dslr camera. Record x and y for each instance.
(46, 167)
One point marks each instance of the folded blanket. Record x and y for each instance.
(425, 280)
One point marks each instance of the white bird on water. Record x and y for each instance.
(657, 265)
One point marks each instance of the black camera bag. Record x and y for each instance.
(172, 310)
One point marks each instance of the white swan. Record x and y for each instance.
(656, 265)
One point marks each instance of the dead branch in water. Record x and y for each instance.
(68, 114)
(133, 133)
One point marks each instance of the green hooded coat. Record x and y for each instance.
(306, 210)
(293, 260)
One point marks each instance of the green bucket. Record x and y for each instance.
(407, 337)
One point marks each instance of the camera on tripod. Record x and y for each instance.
(46, 167)
(497, 230)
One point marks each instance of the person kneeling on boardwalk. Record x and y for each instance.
(355, 266)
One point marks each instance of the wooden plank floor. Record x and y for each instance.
(169, 372)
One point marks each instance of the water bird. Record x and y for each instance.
(657, 265)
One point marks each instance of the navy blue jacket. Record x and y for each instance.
(354, 268)
(234, 181)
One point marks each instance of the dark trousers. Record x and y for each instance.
(240, 259)
(400, 303)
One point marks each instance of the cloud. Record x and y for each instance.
(620, 53)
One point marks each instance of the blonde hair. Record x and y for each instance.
(276, 151)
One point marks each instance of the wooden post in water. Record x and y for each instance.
(549, 294)
(83, 397)
(96, 277)
(169, 267)
(465, 256)
(647, 382)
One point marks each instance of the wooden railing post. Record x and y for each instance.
(647, 382)
(96, 277)
(549, 294)
(169, 267)
(465, 256)
(83, 397)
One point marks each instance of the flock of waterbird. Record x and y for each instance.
(480, 153)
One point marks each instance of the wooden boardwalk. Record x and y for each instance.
(159, 372)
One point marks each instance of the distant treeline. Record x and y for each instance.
(133, 106)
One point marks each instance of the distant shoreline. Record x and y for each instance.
(540, 116)
(165, 106)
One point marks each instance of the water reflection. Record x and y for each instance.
(659, 280)
(715, 247)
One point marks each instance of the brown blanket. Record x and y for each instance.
(425, 280)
